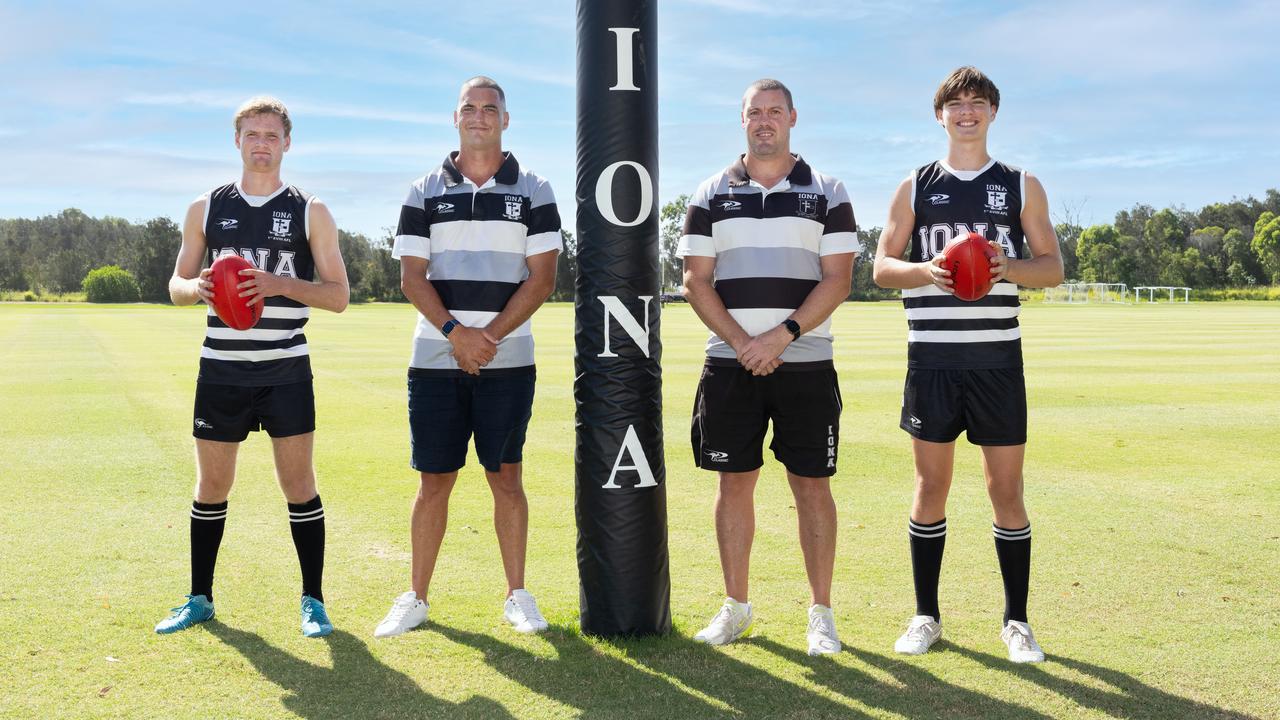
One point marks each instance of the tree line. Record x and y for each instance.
(1222, 245)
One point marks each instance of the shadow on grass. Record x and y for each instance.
(358, 684)
(680, 678)
(581, 676)
(1125, 696)
(917, 693)
(677, 678)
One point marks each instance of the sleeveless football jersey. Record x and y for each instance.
(272, 233)
(944, 331)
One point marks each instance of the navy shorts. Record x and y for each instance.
(989, 406)
(733, 410)
(445, 410)
(228, 413)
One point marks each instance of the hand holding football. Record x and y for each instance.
(227, 303)
(968, 258)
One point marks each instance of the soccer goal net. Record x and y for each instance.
(1084, 292)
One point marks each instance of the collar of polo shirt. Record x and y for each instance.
(508, 174)
(800, 173)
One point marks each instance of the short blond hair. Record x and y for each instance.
(262, 105)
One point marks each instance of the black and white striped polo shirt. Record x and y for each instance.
(944, 331)
(768, 244)
(476, 240)
(272, 232)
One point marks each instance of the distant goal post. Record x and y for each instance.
(1149, 292)
(1078, 293)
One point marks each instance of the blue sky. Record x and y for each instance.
(124, 108)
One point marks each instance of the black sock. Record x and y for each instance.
(306, 522)
(927, 542)
(207, 522)
(1013, 549)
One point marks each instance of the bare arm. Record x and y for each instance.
(699, 273)
(189, 283)
(471, 349)
(532, 293)
(762, 352)
(1044, 267)
(890, 270)
(329, 292)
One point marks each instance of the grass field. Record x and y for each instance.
(1152, 485)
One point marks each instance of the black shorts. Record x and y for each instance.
(990, 406)
(733, 409)
(228, 413)
(445, 410)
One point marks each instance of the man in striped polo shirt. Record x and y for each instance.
(477, 242)
(964, 359)
(261, 377)
(768, 247)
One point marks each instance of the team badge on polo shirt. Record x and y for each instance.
(513, 207)
(807, 206)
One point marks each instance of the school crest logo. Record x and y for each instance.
(280, 222)
(997, 201)
(807, 208)
(513, 206)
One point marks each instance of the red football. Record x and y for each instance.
(227, 303)
(969, 260)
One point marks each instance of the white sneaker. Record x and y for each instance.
(732, 622)
(1023, 647)
(922, 632)
(822, 631)
(407, 613)
(521, 610)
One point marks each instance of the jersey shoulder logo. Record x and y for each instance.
(939, 199)
(444, 207)
(228, 223)
(730, 205)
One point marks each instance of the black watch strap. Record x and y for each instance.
(449, 326)
(792, 327)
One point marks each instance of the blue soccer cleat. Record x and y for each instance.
(197, 609)
(315, 621)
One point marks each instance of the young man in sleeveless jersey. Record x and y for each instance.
(258, 378)
(477, 242)
(768, 247)
(964, 359)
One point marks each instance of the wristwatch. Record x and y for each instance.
(792, 327)
(449, 326)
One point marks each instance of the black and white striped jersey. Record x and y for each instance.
(944, 331)
(768, 244)
(476, 240)
(272, 232)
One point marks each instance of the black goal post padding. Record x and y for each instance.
(620, 492)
